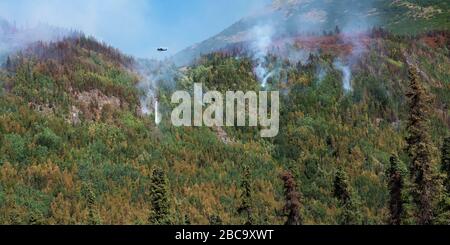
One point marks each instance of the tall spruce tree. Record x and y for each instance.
(341, 188)
(350, 214)
(187, 220)
(94, 217)
(292, 196)
(159, 197)
(246, 196)
(445, 163)
(337, 30)
(8, 64)
(419, 149)
(395, 191)
(443, 210)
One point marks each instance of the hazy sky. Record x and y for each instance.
(136, 27)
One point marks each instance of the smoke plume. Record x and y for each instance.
(260, 46)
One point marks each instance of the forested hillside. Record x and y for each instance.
(75, 147)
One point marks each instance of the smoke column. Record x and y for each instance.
(262, 36)
(346, 74)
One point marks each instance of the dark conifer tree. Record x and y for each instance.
(246, 196)
(350, 212)
(443, 210)
(292, 206)
(337, 30)
(159, 197)
(395, 192)
(445, 165)
(341, 188)
(94, 217)
(8, 64)
(419, 148)
(187, 220)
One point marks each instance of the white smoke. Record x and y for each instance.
(13, 38)
(262, 39)
(321, 73)
(155, 75)
(148, 84)
(346, 74)
(354, 38)
(149, 98)
(312, 17)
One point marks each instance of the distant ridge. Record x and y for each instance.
(290, 18)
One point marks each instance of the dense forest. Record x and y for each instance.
(75, 147)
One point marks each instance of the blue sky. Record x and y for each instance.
(137, 27)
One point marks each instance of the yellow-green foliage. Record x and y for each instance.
(47, 158)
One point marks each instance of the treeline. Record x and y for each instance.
(67, 50)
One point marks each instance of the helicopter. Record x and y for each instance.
(162, 49)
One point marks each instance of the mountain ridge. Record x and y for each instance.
(293, 18)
